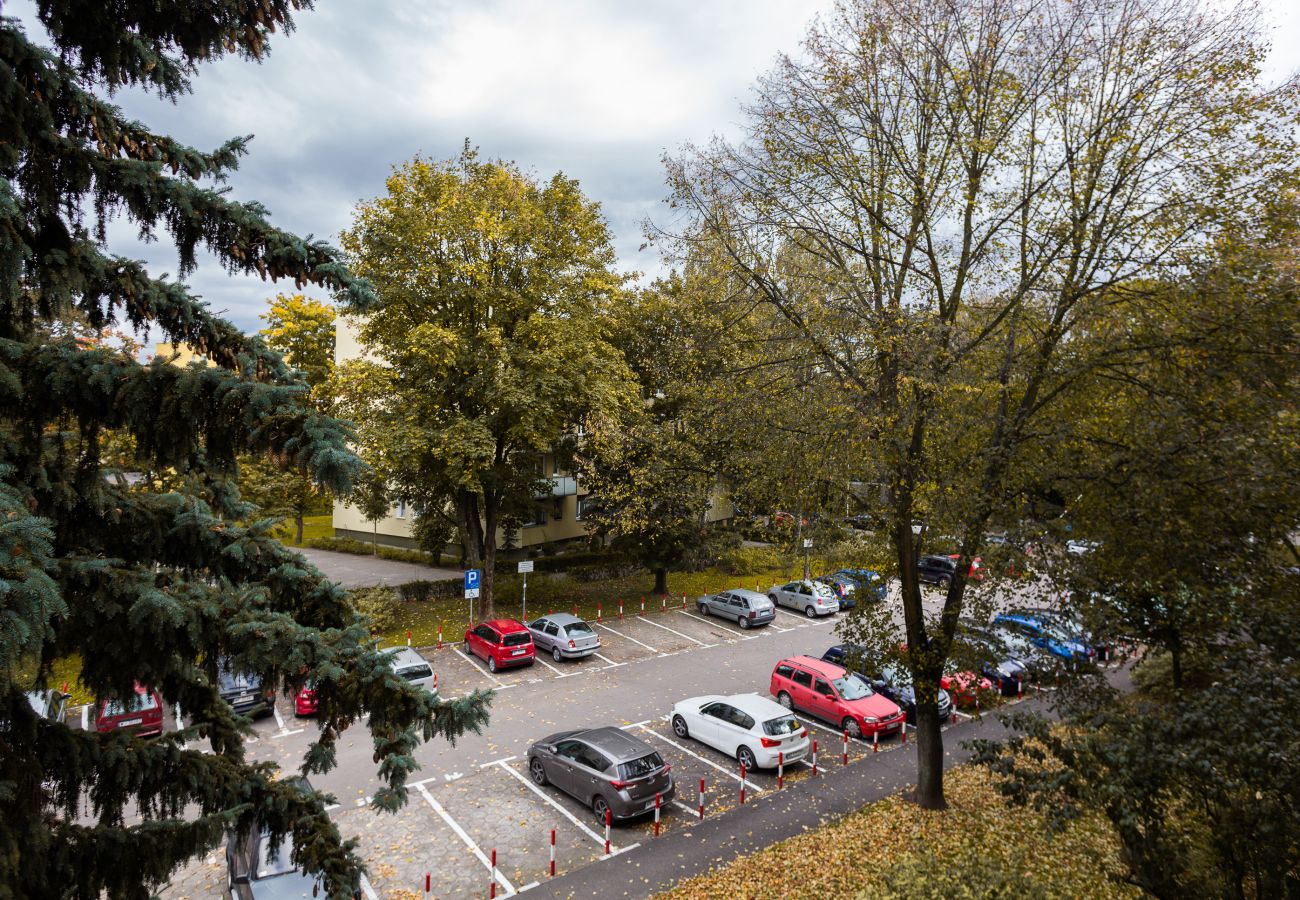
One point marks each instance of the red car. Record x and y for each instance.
(977, 568)
(142, 713)
(304, 701)
(833, 694)
(502, 643)
(962, 686)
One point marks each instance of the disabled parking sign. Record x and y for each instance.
(471, 584)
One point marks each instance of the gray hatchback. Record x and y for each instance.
(564, 636)
(604, 769)
(748, 608)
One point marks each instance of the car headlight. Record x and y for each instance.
(870, 720)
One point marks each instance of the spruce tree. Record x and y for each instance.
(145, 585)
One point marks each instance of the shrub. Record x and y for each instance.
(706, 553)
(379, 603)
(751, 560)
(363, 548)
(426, 589)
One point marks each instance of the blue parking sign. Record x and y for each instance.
(471, 584)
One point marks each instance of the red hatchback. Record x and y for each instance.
(142, 713)
(304, 701)
(833, 694)
(502, 643)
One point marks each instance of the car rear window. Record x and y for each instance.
(785, 671)
(416, 672)
(139, 703)
(781, 727)
(639, 768)
(517, 639)
(578, 628)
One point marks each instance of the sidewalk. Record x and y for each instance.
(683, 853)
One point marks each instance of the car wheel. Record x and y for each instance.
(944, 582)
(704, 609)
(784, 699)
(600, 806)
(852, 727)
(492, 665)
(556, 654)
(467, 650)
(810, 612)
(745, 757)
(743, 623)
(537, 770)
(679, 727)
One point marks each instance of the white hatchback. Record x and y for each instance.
(755, 731)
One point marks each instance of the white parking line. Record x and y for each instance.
(599, 839)
(808, 720)
(612, 664)
(803, 620)
(85, 718)
(468, 841)
(679, 634)
(279, 719)
(287, 733)
(622, 635)
(497, 762)
(367, 889)
(549, 666)
(699, 618)
(479, 668)
(708, 762)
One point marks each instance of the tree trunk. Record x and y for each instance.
(929, 753)
(489, 550)
(297, 521)
(374, 543)
(661, 580)
(1176, 659)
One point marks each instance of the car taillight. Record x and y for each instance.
(619, 785)
(572, 645)
(752, 614)
(668, 767)
(803, 733)
(769, 742)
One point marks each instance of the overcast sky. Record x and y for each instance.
(599, 89)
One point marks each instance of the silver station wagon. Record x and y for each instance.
(564, 636)
(603, 769)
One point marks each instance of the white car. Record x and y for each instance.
(812, 598)
(751, 729)
(1080, 548)
(414, 668)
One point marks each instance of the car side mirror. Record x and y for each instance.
(66, 696)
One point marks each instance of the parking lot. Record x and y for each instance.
(476, 798)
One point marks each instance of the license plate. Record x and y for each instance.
(243, 698)
(650, 805)
(125, 722)
(516, 653)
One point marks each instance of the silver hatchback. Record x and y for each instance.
(748, 608)
(812, 598)
(603, 769)
(564, 636)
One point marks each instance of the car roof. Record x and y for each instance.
(746, 593)
(615, 743)
(820, 666)
(506, 626)
(561, 618)
(757, 706)
(407, 656)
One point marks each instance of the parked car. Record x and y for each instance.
(603, 769)
(996, 663)
(502, 643)
(48, 704)
(141, 712)
(832, 693)
(750, 729)
(564, 636)
(304, 700)
(809, 597)
(869, 582)
(941, 570)
(1071, 627)
(407, 664)
(1080, 548)
(842, 587)
(1045, 634)
(257, 869)
(748, 608)
(1036, 661)
(244, 692)
(891, 679)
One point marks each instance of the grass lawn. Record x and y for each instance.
(979, 847)
(313, 527)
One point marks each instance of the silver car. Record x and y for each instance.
(603, 769)
(812, 598)
(565, 636)
(748, 608)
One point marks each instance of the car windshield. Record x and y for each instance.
(236, 681)
(517, 639)
(273, 859)
(851, 687)
(415, 672)
(578, 628)
(639, 768)
(139, 703)
(781, 727)
(895, 675)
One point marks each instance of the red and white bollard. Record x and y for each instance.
(1020, 689)
(657, 797)
(954, 714)
(846, 746)
(701, 799)
(428, 882)
(664, 598)
(439, 637)
(408, 639)
(643, 606)
(780, 770)
(742, 784)
(435, 682)
(814, 756)
(597, 610)
(608, 816)
(492, 889)
(903, 731)
(977, 703)
(683, 599)
(875, 742)
(552, 852)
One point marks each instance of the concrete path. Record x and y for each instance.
(351, 570)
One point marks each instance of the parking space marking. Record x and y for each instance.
(279, 719)
(476, 667)
(710, 622)
(612, 664)
(468, 841)
(287, 733)
(808, 720)
(708, 762)
(85, 718)
(367, 889)
(548, 665)
(622, 635)
(678, 633)
(496, 762)
(803, 620)
(599, 839)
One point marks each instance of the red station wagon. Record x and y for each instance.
(143, 713)
(502, 643)
(833, 694)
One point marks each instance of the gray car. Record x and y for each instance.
(812, 598)
(603, 769)
(748, 608)
(564, 636)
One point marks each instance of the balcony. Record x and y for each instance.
(561, 486)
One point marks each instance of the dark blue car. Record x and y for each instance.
(891, 680)
(869, 582)
(1046, 635)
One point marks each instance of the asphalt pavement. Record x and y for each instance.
(353, 570)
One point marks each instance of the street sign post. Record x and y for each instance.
(807, 546)
(525, 566)
(472, 577)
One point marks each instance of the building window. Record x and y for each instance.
(584, 506)
(539, 515)
(401, 509)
